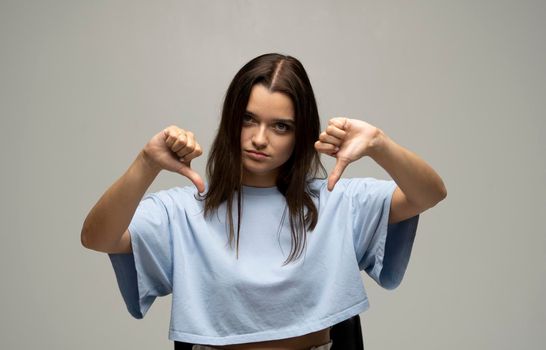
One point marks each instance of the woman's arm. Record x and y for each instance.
(105, 228)
(419, 186)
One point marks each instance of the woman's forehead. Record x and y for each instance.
(263, 103)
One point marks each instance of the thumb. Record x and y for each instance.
(341, 164)
(194, 177)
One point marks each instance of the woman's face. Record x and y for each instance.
(267, 136)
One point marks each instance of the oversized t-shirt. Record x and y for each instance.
(220, 298)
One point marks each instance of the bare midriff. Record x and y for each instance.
(303, 342)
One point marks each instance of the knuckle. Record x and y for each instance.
(331, 128)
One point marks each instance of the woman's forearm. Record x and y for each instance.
(419, 182)
(110, 217)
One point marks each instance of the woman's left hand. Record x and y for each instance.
(347, 140)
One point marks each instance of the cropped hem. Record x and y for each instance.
(311, 327)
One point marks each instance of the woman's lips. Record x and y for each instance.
(256, 155)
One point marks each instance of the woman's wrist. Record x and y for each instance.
(147, 164)
(379, 145)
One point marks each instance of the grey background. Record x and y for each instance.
(84, 85)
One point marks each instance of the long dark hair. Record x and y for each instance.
(278, 73)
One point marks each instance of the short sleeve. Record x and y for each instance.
(382, 249)
(146, 273)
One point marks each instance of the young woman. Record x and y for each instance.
(268, 254)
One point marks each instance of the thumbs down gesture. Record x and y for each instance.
(347, 140)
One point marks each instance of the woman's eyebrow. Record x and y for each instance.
(277, 120)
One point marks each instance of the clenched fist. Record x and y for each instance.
(173, 149)
(347, 140)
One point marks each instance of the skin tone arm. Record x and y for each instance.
(105, 228)
(419, 186)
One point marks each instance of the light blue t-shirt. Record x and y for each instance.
(218, 299)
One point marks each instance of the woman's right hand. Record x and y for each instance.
(173, 149)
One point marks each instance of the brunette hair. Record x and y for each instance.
(278, 73)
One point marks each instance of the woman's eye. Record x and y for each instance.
(282, 127)
(247, 119)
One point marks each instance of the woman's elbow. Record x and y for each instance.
(435, 196)
(441, 194)
(85, 239)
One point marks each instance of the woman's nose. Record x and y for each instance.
(259, 139)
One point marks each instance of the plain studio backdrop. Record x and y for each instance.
(85, 84)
